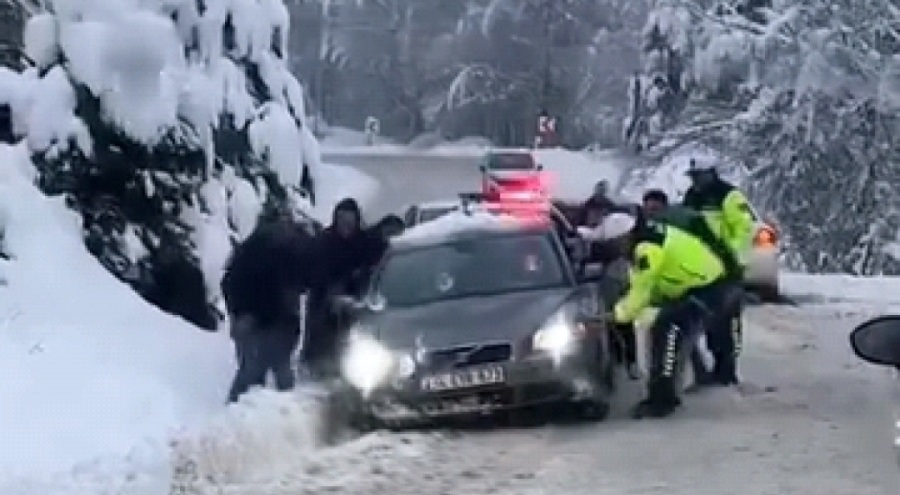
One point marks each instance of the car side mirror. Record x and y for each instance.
(878, 341)
(482, 168)
(540, 167)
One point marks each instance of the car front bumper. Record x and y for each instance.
(537, 380)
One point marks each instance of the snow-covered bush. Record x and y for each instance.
(804, 94)
(169, 125)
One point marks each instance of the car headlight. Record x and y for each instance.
(558, 334)
(367, 364)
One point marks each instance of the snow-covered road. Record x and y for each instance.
(409, 178)
(145, 416)
(406, 180)
(815, 420)
(811, 417)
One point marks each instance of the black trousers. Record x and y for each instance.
(326, 332)
(266, 350)
(724, 331)
(674, 327)
(625, 344)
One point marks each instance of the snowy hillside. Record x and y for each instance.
(90, 370)
(170, 150)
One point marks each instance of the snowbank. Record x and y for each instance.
(94, 370)
(110, 393)
(843, 291)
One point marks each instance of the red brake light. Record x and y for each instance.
(766, 237)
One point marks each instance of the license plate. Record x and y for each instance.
(468, 378)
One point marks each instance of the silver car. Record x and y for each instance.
(878, 341)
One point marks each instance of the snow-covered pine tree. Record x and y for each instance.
(169, 125)
(658, 94)
(805, 95)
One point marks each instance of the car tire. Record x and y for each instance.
(593, 411)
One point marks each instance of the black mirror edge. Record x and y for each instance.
(863, 356)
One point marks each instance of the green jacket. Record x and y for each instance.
(698, 225)
(666, 268)
(728, 214)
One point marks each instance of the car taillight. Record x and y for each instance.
(766, 237)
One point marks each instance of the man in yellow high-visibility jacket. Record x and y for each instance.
(730, 219)
(676, 272)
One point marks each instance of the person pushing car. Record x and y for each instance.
(730, 219)
(678, 273)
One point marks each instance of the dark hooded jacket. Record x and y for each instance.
(268, 272)
(347, 260)
(345, 264)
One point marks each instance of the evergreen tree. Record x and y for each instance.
(146, 199)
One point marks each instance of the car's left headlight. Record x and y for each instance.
(559, 334)
(367, 364)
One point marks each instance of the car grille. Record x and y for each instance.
(470, 355)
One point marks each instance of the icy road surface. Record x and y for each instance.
(813, 420)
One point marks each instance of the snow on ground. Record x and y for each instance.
(811, 419)
(101, 379)
(869, 294)
(94, 371)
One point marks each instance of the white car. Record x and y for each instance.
(762, 267)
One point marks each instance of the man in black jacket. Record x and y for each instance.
(267, 274)
(347, 252)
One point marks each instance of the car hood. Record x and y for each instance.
(506, 317)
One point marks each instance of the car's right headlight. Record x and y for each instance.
(367, 364)
(559, 334)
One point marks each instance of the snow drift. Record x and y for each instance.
(93, 369)
(111, 394)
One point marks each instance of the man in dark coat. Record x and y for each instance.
(262, 286)
(346, 252)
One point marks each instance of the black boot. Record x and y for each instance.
(702, 376)
(725, 370)
(661, 400)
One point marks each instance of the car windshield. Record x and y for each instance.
(511, 161)
(429, 214)
(471, 267)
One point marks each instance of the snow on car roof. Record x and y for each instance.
(447, 203)
(455, 223)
